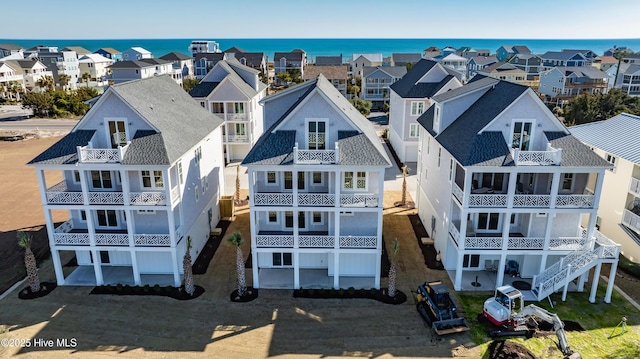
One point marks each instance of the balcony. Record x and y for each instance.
(60, 194)
(236, 139)
(631, 220)
(236, 116)
(551, 157)
(359, 200)
(315, 156)
(66, 234)
(634, 187)
(315, 241)
(317, 199)
(101, 155)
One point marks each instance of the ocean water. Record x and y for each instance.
(324, 47)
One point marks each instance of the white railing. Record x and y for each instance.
(483, 242)
(487, 200)
(359, 200)
(111, 239)
(65, 227)
(275, 240)
(358, 241)
(106, 198)
(531, 200)
(575, 200)
(537, 158)
(273, 199)
(152, 240)
(175, 194)
(71, 239)
(631, 220)
(567, 243)
(458, 193)
(237, 138)
(316, 199)
(525, 243)
(236, 116)
(315, 156)
(101, 155)
(59, 193)
(634, 187)
(316, 241)
(147, 198)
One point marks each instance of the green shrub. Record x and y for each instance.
(351, 290)
(629, 267)
(119, 287)
(156, 288)
(341, 292)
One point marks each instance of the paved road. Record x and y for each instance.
(23, 124)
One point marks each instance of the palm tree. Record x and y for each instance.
(188, 270)
(236, 240)
(238, 185)
(392, 269)
(404, 186)
(24, 241)
(86, 77)
(64, 80)
(45, 82)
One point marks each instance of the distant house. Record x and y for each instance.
(182, 64)
(617, 50)
(329, 60)
(505, 71)
(205, 61)
(588, 54)
(563, 58)
(562, 83)
(477, 63)
(402, 59)
(604, 63)
(376, 82)
(453, 61)
(255, 60)
(96, 65)
(199, 46)
(504, 53)
(81, 51)
(631, 58)
(615, 140)
(61, 62)
(141, 174)
(123, 71)
(296, 60)
(316, 185)
(10, 77)
(10, 49)
(430, 52)
(31, 70)
(336, 74)
(232, 91)
(110, 53)
(410, 97)
(628, 80)
(136, 53)
(529, 63)
(359, 61)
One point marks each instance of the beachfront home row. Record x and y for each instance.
(140, 172)
(316, 184)
(503, 187)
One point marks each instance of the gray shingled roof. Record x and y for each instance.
(360, 148)
(405, 58)
(290, 56)
(10, 47)
(574, 152)
(469, 87)
(618, 136)
(203, 89)
(181, 122)
(328, 60)
(175, 56)
(483, 60)
(329, 71)
(130, 64)
(560, 55)
(583, 71)
(65, 150)
(393, 71)
(407, 86)
(210, 56)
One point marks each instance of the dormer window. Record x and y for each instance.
(521, 136)
(316, 134)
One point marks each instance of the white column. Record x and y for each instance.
(97, 267)
(581, 280)
(252, 228)
(555, 185)
(459, 265)
(85, 187)
(381, 189)
(132, 244)
(500, 271)
(338, 186)
(176, 272)
(296, 269)
(468, 180)
(612, 277)
(594, 283)
(124, 180)
(336, 270)
(566, 283)
(511, 189)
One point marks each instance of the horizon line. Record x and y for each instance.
(328, 38)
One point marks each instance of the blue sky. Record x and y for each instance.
(114, 19)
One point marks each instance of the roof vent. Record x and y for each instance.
(173, 99)
(151, 107)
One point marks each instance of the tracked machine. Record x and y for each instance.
(506, 311)
(438, 309)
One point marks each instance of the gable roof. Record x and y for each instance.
(139, 49)
(329, 60)
(521, 49)
(370, 57)
(210, 56)
(617, 136)
(393, 71)
(78, 49)
(131, 64)
(409, 87)
(478, 82)
(94, 58)
(329, 71)
(502, 67)
(180, 121)
(10, 47)
(175, 56)
(204, 88)
(483, 60)
(294, 55)
(583, 71)
(361, 147)
(110, 50)
(562, 55)
(234, 49)
(406, 57)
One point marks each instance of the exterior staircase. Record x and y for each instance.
(600, 249)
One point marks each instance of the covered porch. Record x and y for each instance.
(84, 275)
(282, 278)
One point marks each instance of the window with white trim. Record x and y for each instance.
(288, 180)
(272, 178)
(316, 134)
(282, 259)
(567, 181)
(180, 172)
(439, 156)
(417, 108)
(317, 178)
(152, 179)
(288, 219)
(240, 129)
(202, 185)
(101, 179)
(76, 176)
(354, 180)
(83, 215)
(488, 221)
(272, 217)
(197, 194)
(450, 170)
(197, 155)
(414, 130)
(521, 136)
(146, 211)
(317, 218)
